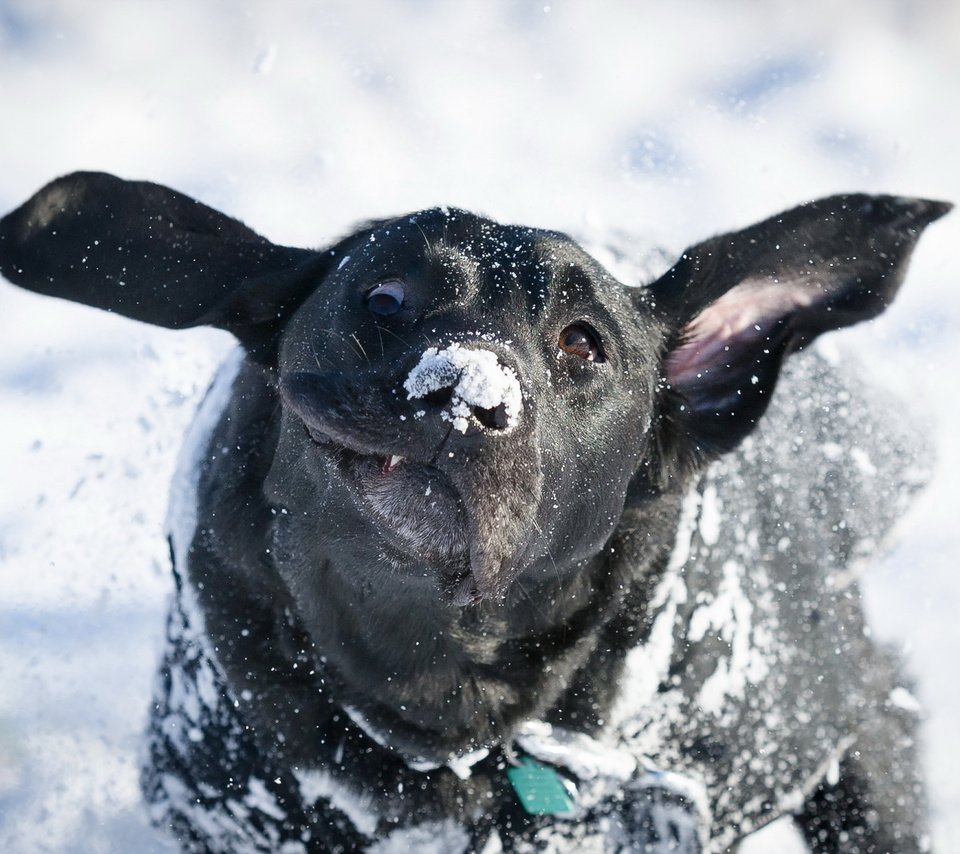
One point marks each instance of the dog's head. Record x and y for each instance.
(488, 395)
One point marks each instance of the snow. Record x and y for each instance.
(903, 699)
(729, 614)
(646, 666)
(476, 379)
(586, 757)
(315, 784)
(181, 521)
(301, 119)
(710, 516)
(431, 837)
(461, 764)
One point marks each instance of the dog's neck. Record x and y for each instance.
(430, 683)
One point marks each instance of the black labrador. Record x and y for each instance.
(476, 548)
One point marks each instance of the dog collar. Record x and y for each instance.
(541, 789)
(560, 772)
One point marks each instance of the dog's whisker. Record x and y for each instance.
(556, 570)
(426, 240)
(383, 352)
(326, 358)
(353, 335)
(533, 602)
(340, 336)
(399, 337)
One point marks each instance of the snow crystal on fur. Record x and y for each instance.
(476, 377)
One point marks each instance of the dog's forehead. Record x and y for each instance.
(504, 256)
(469, 231)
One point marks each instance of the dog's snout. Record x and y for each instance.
(467, 385)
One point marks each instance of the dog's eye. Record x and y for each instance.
(386, 298)
(578, 339)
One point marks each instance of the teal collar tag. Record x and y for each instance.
(541, 790)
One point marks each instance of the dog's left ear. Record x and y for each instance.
(153, 254)
(739, 303)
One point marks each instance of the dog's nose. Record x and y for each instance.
(467, 384)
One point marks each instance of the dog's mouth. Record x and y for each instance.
(415, 507)
(457, 506)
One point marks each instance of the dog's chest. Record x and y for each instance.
(724, 727)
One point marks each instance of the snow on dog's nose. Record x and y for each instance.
(467, 382)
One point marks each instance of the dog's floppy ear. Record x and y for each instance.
(739, 303)
(153, 254)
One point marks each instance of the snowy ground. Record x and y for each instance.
(673, 120)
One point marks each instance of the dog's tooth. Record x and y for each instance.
(391, 462)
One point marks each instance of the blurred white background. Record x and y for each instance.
(671, 120)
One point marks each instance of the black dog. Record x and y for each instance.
(472, 550)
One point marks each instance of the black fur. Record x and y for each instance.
(348, 629)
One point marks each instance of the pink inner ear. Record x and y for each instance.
(741, 317)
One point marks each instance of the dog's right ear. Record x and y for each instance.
(153, 254)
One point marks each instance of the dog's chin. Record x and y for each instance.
(416, 510)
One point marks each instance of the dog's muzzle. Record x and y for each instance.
(450, 470)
